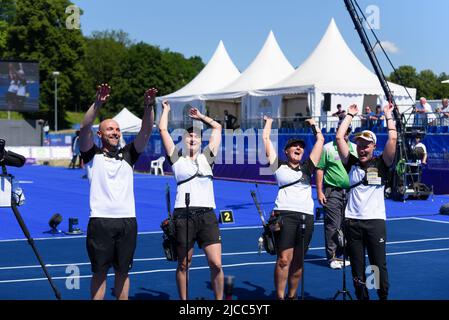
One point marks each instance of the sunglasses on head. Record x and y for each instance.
(365, 135)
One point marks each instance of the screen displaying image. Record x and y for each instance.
(19, 86)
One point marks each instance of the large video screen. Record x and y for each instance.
(19, 86)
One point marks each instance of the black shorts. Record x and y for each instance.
(111, 242)
(289, 236)
(203, 227)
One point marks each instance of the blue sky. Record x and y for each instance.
(417, 29)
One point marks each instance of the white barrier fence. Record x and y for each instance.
(44, 153)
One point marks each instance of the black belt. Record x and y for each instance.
(193, 211)
(334, 188)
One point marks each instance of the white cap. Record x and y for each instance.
(367, 135)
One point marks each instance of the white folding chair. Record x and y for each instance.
(157, 165)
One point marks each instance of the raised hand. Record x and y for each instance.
(388, 109)
(150, 96)
(195, 114)
(310, 122)
(267, 118)
(103, 93)
(166, 105)
(353, 109)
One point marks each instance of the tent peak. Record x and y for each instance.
(217, 73)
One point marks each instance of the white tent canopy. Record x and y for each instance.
(219, 72)
(269, 66)
(333, 68)
(127, 121)
(445, 81)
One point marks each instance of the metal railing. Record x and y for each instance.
(329, 123)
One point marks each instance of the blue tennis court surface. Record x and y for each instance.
(417, 244)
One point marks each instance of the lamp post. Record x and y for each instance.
(55, 75)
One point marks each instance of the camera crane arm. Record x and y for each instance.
(401, 147)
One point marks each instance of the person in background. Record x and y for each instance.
(76, 152)
(229, 120)
(419, 150)
(378, 117)
(331, 183)
(338, 112)
(367, 118)
(421, 110)
(444, 112)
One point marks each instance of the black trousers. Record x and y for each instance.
(369, 235)
(333, 219)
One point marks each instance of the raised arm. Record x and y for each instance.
(86, 136)
(342, 145)
(315, 154)
(167, 140)
(390, 147)
(270, 152)
(141, 141)
(215, 137)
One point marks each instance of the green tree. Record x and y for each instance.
(405, 75)
(428, 85)
(39, 33)
(426, 82)
(147, 66)
(140, 69)
(106, 51)
(443, 88)
(7, 14)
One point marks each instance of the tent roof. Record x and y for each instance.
(219, 72)
(445, 81)
(332, 67)
(269, 66)
(127, 121)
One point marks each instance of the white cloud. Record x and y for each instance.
(388, 46)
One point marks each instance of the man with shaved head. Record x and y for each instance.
(112, 230)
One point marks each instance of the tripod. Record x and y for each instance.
(344, 291)
(28, 236)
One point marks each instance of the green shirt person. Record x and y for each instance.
(331, 180)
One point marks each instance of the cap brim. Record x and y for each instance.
(365, 138)
(300, 142)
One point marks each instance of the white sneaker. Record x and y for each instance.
(347, 263)
(335, 264)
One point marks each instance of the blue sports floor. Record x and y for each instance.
(417, 244)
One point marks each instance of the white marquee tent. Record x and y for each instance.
(333, 68)
(268, 67)
(219, 72)
(128, 122)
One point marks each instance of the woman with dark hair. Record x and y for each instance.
(293, 207)
(193, 173)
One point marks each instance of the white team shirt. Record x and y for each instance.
(201, 187)
(111, 181)
(297, 197)
(366, 202)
